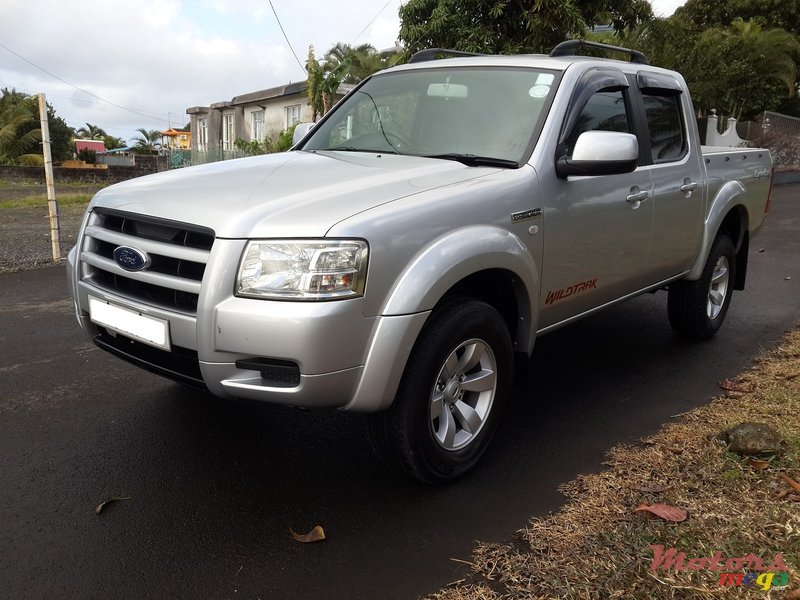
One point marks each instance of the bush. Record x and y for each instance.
(253, 147)
(31, 160)
(785, 149)
(88, 156)
(285, 138)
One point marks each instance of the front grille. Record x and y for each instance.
(178, 255)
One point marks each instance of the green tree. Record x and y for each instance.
(501, 27)
(148, 141)
(358, 62)
(60, 133)
(323, 82)
(112, 142)
(90, 132)
(18, 140)
(706, 14)
(343, 63)
(744, 69)
(314, 84)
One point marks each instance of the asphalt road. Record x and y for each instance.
(215, 486)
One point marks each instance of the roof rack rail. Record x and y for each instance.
(570, 48)
(432, 53)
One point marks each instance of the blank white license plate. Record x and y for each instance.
(130, 323)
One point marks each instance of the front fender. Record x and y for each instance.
(428, 277)
(456, 256)
(721, 205)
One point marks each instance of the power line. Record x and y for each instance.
(375, 18)
(286, 37)
(136, 112)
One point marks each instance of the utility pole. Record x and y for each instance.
(52, 205)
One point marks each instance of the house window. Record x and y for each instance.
(292, 115)
(227, 132)
(202, 134)
(258, 125)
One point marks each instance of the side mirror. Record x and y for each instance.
(301, 131)
(600, 153)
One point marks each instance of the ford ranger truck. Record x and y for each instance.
(442, 216)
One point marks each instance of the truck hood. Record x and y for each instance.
(293, 194)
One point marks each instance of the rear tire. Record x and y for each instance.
(697, 308)
(451, 396)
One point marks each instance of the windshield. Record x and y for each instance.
(473, 112)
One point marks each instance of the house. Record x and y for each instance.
(93, 145)
(252, 116)
(176, 139)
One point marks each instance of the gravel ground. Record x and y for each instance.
(25, 235)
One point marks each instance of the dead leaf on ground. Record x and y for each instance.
(315, 535)
(793, 497)
(791, 482)
(759, 465)
(730, 386)
(102, 505)
(653, 489)
(793, 595)
(664, 511)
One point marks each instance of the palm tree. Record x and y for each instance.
(90, 132)
(112, 142)
(15, 146)
(148, 141)
(355, 63)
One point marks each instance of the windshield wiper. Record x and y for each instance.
(473, 160)
(354, 149)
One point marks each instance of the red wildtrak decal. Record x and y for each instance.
(556, 295)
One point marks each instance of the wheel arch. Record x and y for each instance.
(727, 214)
(485, 263)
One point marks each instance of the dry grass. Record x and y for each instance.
(596, 546)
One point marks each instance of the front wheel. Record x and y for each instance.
(451, 396)
(698, 308)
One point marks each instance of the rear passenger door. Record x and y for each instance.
(678, 182)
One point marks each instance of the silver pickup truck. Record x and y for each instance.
(433, 224)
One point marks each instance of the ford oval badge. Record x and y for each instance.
(131, 259)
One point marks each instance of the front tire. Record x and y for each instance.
(451, 396)
(697, 308)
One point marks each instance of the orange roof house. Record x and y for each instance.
(177, 139)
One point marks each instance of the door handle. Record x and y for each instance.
(637, 196)
(688, 186)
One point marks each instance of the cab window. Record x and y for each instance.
(667, 137)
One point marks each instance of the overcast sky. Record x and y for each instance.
(124, 65)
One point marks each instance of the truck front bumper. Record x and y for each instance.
(309, 354)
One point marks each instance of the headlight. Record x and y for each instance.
(303, 269)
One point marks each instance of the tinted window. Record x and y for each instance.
(667, 140)
(605, 111)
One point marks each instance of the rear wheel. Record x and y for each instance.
(698, 308)
(451, 396)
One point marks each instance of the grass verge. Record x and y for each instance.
(41, 200)
(597, 546)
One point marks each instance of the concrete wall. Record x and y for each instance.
(145, 165)
(729, 137)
